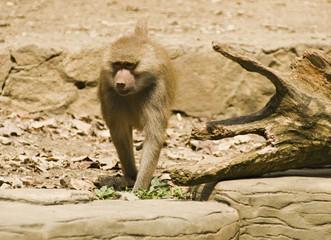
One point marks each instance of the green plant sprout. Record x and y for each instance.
(157, 190)
(105, 193)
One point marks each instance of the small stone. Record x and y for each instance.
(240, 13)
(65, 182)
(218, 12)
(126, 196)
(4, 24)
(5, 186)
(230, 28)
(5, 141)
(173, 22)
(15, 182)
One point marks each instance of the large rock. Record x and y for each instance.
(33, 93)
(82, 66)
(114, 219)
(33, 55)
(209, 85)
(35, 84)
(289, 207)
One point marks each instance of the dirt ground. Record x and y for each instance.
(252, 22)
(66, 151)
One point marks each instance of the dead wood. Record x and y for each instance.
(296, 122)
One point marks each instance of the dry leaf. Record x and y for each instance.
(108, 163)
(10, 129)
(82, 126)
(39, 124)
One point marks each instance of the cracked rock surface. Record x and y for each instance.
(287, 207)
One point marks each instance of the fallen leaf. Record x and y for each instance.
(82, 126)
(10, 129)
(27, 115)
(108, 163)
(84, 162)
(39, 124)
(77, 184)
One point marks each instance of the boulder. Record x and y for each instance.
(33, 55)
(33, 93)
(287, 207)
(210, 85)
(82, 66)
(35, 84)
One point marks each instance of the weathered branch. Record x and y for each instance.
(296, 123)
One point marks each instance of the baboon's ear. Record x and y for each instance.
(141, 29)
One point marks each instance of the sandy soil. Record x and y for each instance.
(253, 22)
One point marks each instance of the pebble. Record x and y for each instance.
(173, 22)
(230, 28)
(5, 141)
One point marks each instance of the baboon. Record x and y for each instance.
(136, 89)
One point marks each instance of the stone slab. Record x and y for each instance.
(114, 219)
(45, 196)
(288, 207)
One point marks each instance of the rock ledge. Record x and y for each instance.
(288, 207)
(143, 219)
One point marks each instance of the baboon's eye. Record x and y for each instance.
(117, 65)
(129, 65)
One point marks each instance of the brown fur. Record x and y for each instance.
(151, 88)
